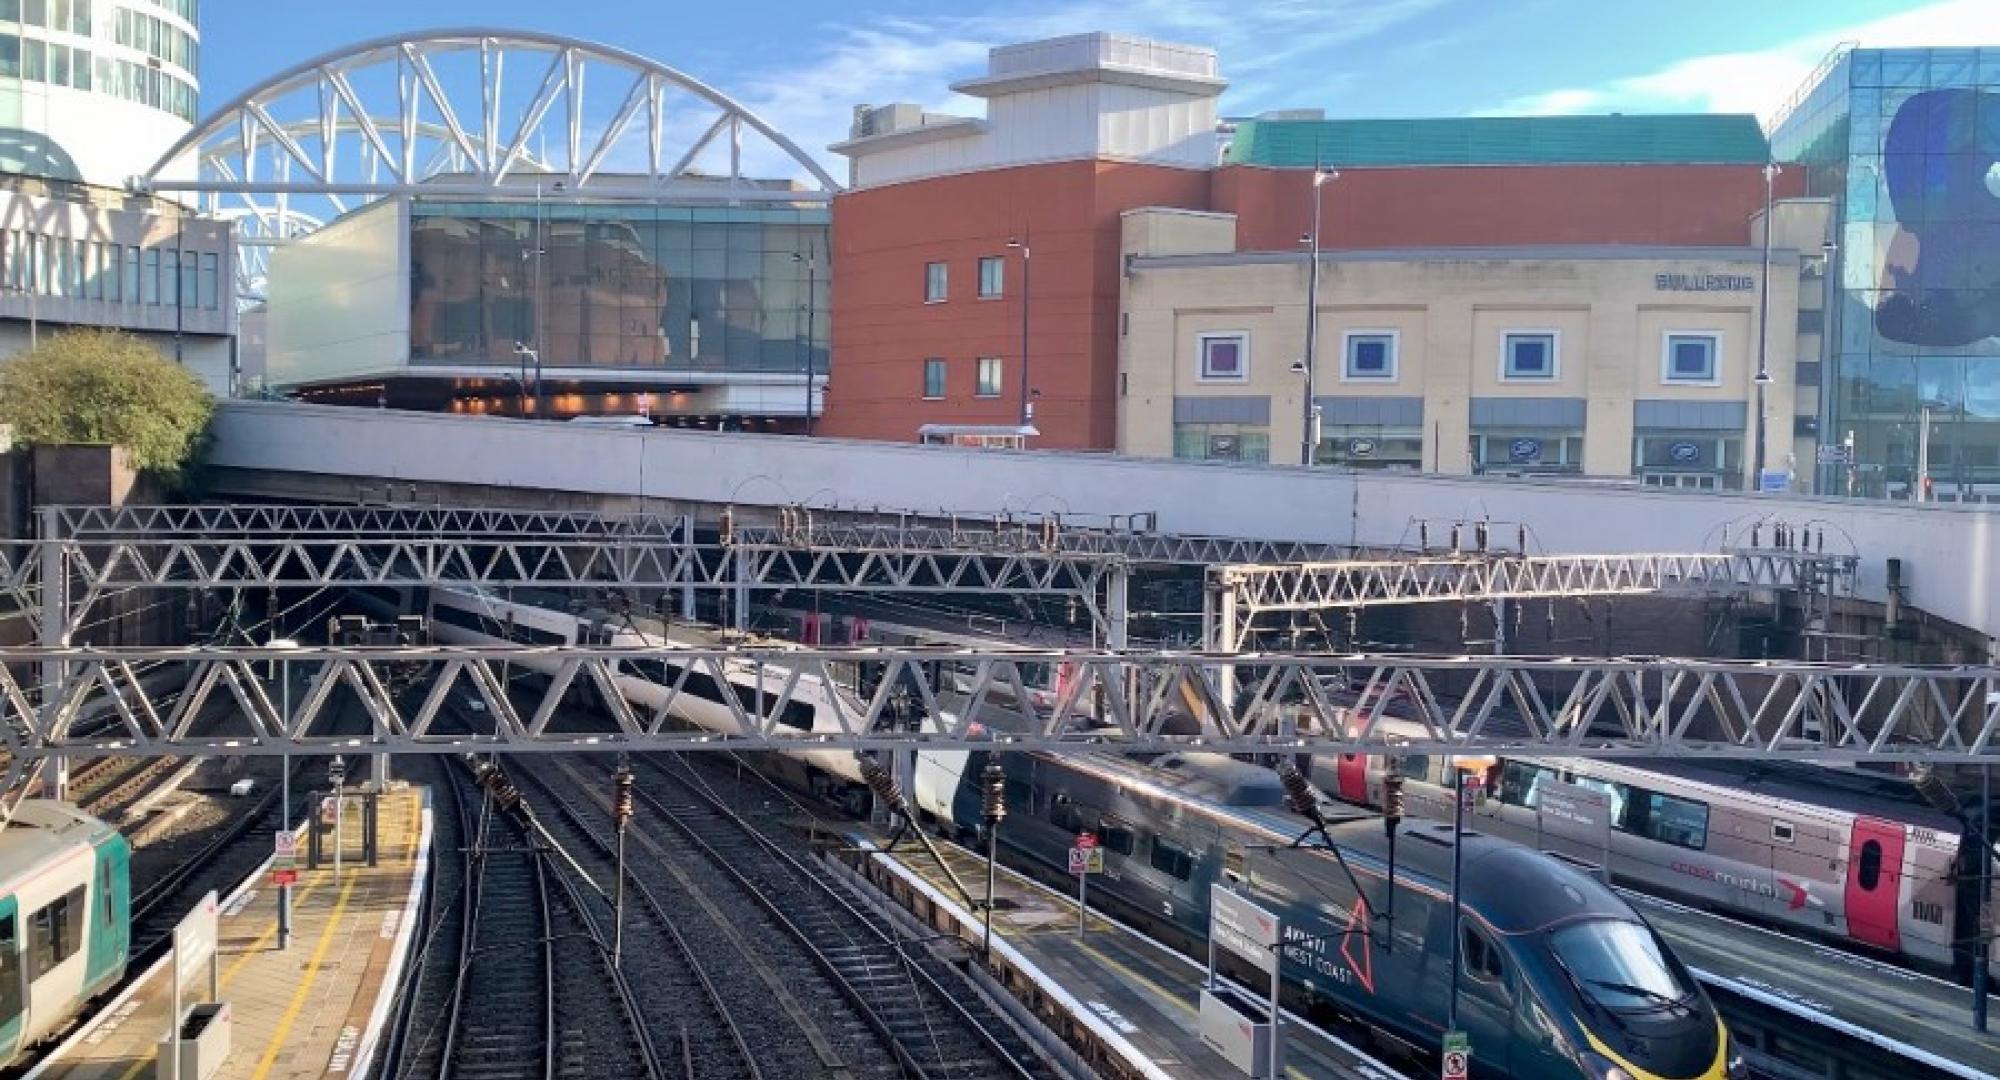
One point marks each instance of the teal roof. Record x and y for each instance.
(1701, 138)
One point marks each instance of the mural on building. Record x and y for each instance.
(1941, 167)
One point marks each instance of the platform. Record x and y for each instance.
(314, 1010)
(1914, 1016)
(1140, 998)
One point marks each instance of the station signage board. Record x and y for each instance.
(1239, 926)
(1577, 815)
(195, 938)
(1084, 860)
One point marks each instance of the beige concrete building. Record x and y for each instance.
(1588, 361)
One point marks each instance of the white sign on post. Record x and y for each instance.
(1577, 814)
(195, 937)
(1244, 929)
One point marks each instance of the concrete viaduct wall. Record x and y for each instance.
(1951, 554)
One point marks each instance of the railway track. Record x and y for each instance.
(517, 974)
(937, 1022)
(695, 1017)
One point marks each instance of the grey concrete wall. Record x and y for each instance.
(1951, 553)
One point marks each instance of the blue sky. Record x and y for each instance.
(804, 65)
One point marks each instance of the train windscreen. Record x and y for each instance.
(1618, 964)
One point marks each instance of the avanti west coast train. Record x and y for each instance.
(65, 918)
(1559, 976)
(1817, 850)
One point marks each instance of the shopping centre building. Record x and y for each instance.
(1906, 144)
(1571, 295)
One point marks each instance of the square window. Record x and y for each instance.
(1528, 356)
(936, 282)
(1371, 356)
(989, 377)
(1690, 358)
(1225, 357)
(992, 276)
(934, 379)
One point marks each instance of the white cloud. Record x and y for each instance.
(890, 60)
(1761, 81)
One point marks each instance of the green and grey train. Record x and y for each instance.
(1559, 977)
(65, 919)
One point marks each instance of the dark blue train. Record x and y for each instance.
(1559, 977)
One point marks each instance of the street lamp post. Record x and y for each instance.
(1024, 242)
(1308, 430)
(810, 259)
(1771, 171)
(525, 354)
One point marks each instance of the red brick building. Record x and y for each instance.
(1080, 129)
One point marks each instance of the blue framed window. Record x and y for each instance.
(1690, 358)
(1528, 356)
(1224, 357)
(1371, 355)
(934, 370)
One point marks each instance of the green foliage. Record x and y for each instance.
(102, 386)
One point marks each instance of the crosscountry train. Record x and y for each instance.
(1823, 851)
(1561, 977)
(65, 919)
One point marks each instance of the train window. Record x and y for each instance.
(1483, 960)
(1169, 859)
(53, 934)
(1020, 796)
(1617, 796)
(10, 972)
(1521, 783)
(1871, 865)
(1117, 836)
(1414, 766)
(1063, 813)
(1782, 832)
(1667, 819)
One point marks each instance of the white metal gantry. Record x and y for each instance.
(974, 698)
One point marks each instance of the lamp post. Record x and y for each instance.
(1308, 433)
(1024, 243)
(524, 354)
(285, 784)
(810, 259)
(1771, 171)
(1921, 488)
(993, 788)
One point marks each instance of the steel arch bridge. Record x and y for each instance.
(447, 112)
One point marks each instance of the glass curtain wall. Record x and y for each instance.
(1906, 139)
(661, 288)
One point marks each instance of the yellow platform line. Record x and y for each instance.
(298, 1002)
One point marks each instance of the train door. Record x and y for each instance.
(1874, 882)
(1485, 999)
(1352, 777)
(12, 990)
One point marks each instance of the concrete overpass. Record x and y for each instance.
(1950, 554)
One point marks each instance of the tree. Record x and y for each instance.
(103, 386)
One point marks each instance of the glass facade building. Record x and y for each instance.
(1907, 142)
(647, 289)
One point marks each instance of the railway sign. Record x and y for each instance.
(284, 845)
(1577, 814)
(285, 876)
(1456, 1063)
(1836, 454)
(1086, 840)
(1241, 927)
(1086, 860)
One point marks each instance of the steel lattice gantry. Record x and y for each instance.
(1238, 596)
(966, 699)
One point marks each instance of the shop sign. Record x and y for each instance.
(1704, 283)
(1684, 453)
(1525, 450)
(1361, 447)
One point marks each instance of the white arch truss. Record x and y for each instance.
(448, 113)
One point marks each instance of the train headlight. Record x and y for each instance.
(1597, 1067)
(1737, 1069)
